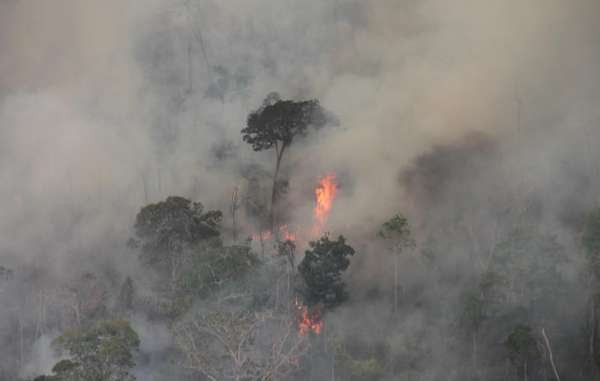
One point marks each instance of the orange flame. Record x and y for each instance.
(307, 321)
(325, 193)
(284, 233)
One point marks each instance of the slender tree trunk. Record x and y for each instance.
(288, 297)
(525, 371)
(474, 350)
(547, 342)
(279, 154)
(333, 366)
(234, 208)
(592, 338)
(261, 239)
(159, 182)
(21, 343)
(189, 67)
(396, 259)
(145, 189)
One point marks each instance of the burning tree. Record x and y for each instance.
(275, 125)
(321, 269)
(325, 193)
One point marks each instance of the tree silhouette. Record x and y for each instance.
(322, 269)
(275, 125)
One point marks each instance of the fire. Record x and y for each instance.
(262, 236)
(284, 233)
(308, 321)
(325, 193)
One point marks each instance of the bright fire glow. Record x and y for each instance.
(307, 321)
(284, 233)
(325, 193)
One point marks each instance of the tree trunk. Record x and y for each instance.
(592, 338)
(21, 343)
(234, 208)
(396, 259)
(547, 342)
(525, 371)
(279, 154)
(474, 353)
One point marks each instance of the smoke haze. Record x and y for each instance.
(469, 108)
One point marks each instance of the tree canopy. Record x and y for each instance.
(277, 122)
(170, 225)
(104, 352)
(322, 269)
(275, 125)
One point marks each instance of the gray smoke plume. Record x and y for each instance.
(485, 110)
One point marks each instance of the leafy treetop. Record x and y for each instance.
(277, 122)
(100, 353)
(322, 269)
(169, 225)
(398, 230)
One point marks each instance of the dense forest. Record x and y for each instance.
(250, 190)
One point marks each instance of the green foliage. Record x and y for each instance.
(522, 345)
(474, 310)
(591, 242)
(167, 308)
(214, 266)
(126, 295)
(321, 269)
(278, 121)
(528, 263)
(361, 366)
(477, 302)
(369, 369)
(169, 226)
(103, 352)
(397, 229)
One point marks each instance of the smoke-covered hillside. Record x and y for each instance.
(299, 190)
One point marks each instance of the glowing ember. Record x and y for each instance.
(284, 234)
(287, 235)
(262, 236)
(325, 193)
(308, 321)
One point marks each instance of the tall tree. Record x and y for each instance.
(397, 232)
(276, 124)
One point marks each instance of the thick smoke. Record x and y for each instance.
(483, 109)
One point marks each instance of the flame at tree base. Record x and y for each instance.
(308, 321)
(325, 193)
(284, 234)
